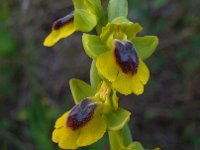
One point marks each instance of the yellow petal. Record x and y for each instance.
(92, 131)
(137, 86)
(57, 134)
(123, 83)
(69, 138)
(57, 34)
(143, 72)
(107, 66)
(62, 120)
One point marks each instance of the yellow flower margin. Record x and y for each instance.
(68, 138)
(122, 82)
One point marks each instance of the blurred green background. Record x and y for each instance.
(34, 88)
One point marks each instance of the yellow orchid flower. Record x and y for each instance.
(123, 68)
(84, 18)
(61, 28)
(119, 55)
(81, 126)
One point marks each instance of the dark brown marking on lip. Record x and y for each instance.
(126, 57)
(63, 21)
(81, 114)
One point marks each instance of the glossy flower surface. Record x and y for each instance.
(81, 126)
(119, 55)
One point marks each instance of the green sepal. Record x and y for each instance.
(95, 79)
(93, 45)
(117, 119)
(79, 4)
(120, 20)
(145, 46)
(80, 90)
(117, 8)
(135, 146)
(94, 6)
(84, 20)
(114, 100)
(125, 29)
(120, 139)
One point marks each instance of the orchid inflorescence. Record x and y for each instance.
(118, 66)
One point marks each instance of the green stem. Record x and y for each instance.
(120, 139)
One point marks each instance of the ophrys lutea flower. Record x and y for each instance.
(119, 55)
(84, 18)
(81, 126)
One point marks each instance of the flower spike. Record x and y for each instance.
(118, 66)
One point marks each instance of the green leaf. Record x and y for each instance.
(116, 120)
(95, 79)
(93, 45)
(84, 20)
(8, 43)
(12, 139)
(117, 8)
(145, 46)
(4, 11)
(80, 90)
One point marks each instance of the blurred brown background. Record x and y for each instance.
(34, 88)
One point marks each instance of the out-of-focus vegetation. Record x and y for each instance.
(34, 88)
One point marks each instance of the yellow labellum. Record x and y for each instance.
(57, 34)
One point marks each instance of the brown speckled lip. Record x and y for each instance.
(126, 56)
(81, 114)
(63, 21)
